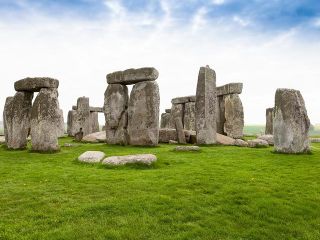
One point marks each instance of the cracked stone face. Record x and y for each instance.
(115, 110)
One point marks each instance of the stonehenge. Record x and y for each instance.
(269, 121)
(133, 120)
(42, 120)
(83, 116)
(290, 122)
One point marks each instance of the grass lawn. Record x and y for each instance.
(219, 193)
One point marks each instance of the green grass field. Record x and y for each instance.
(219, 193)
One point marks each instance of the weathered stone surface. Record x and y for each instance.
(231, 88)
(132, 76)
(225, 140)
(240, 143)
(173, 142)
(115, 111)
(91, 157)
(147, 159)
(165, 120)
(269, 121)
(234, 115)
(70, 130)
(95, 137)
(182, 100)
(96, 109)
(220, 117)
(94, 122)
(82, 116)
(267, 138)
(167, 134)
(2, 140)
(180, 133)
(60, 127)
(74, 107)
(17, 114)
(35, 84)
(257, 143)
(168, 110)
(177, 111)
(193, 137)
(190, 116)
(45, 119)
(187, 149)
(206, 106)
(290, 123)
(143, 114)
(78, 136)
(5, 112)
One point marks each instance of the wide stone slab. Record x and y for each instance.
(91, 157)
(291, 123)
(35, 84)
(95, 137)
(132, 76)
(146, 159)
(181, 100)
(225, 140)
(230, 88)
(96, 109)
(187, 149)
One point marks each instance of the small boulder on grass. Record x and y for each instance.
(258, 143)
(146, 159)
(240, 143)
(91, 157)
(268, 138)
(187, 149)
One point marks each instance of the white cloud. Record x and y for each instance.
(218, 2)
(80, 53)
(241, 21)
(199, 19)
(316, 22)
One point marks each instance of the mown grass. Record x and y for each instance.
(218, 193)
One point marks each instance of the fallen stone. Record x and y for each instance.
(234, 124)
(96, 137)
(91, 157)
(173, 142)
(291, 122)
(187, 149)
(206, 101)
(143, 114)
(231, 88)
(132, 76)
(268, 138)
(225, 140)
(70, 145)
(116, 116)
(240, 143)
(35, 84)
(269, 121)
(146, 159)
(257, 143)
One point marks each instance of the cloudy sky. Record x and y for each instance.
(266, 44)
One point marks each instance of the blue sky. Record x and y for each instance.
(264, 44)
(258, 15)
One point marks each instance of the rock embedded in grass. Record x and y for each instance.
(91, 157)
(268, 138)
(225, 140)
(240, 143)
(258, 143)
(146, 159)
(95, 137)
(187, 149)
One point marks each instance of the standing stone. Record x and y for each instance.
(17, 114)
(82, 117)
(189, 116)
(269, 121)
(177, 111)
(180, 133)
(94, 122)
(70, 131)
(234, 115)
(220, 111)
(60, 127)
(165, 119)
(5, 109)
(45, 119)
(116, 115)
(143, 113)
(291, 123)
(206, 106)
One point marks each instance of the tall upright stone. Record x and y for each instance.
(177, 111)
(206, 106)
(94, 122)
(220, 112)
(17, 114)
(143, 114)
(269, 121)
(83, 115)
(165, 119)
(290, 123)
(234, 115)
(5, 111)
(60, 127)
(189, 116)
(180, 133)
(45, 119)
(115, 110)
(70, 130)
